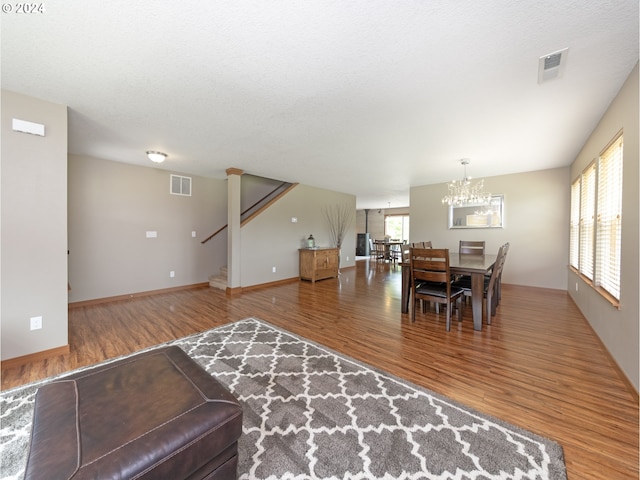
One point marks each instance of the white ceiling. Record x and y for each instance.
(367, 97)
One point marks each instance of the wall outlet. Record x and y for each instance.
(273, 269)
(172, 274)
(576, 286)
(152, 234)
(36, 323)
(193, 234)
(347, 258)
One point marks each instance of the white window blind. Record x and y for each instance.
(587, 220)
(574, 226)
(609, 219)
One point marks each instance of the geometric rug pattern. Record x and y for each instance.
(311, 413)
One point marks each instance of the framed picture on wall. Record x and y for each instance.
(478, 216)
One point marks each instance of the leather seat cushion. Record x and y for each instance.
(436, 289)
(157, 414)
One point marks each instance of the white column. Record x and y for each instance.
(234, 257)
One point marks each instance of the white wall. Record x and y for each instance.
(618, 329)
(272, 240)
(536, 218)
(111, 207)
(34, 227)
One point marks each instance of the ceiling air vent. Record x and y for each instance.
(552, 65)
(180, 185)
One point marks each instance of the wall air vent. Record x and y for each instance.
(552, 65)
(180, 185)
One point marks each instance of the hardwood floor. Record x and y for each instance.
(539, 365)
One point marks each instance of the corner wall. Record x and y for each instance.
(34, 227)
(272, 240)
(618, 329)
(113, 205)
(536, 219)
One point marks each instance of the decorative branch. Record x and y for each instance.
(339, 218)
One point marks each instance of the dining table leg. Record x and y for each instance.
(477, 294)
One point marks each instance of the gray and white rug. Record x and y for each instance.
(310, 413)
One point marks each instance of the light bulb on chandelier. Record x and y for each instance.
(463, 192)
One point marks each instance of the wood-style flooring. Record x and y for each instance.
(539, 365)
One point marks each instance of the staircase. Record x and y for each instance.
(219, 281)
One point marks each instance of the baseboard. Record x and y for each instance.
(34, 357)
(98, 301)
(623, 376)
(270, 284)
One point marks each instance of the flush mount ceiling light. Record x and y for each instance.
(156, 157)
(463, 192)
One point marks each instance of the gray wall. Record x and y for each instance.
(272, 239)
(618, 329)
(111, 207)
(34, 227)
(536, 219)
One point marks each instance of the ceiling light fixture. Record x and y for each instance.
(156, 157)
(462, 192)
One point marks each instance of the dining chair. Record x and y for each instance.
(422, 244)
(430, 280)
(372, 249)
(396, 251)
(379, 250)
(490, 290)
(471, 247)
(499, 280)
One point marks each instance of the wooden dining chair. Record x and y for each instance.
(505, 250)
(491, 289)
(379, 250)
(430, 281)
(396, 251)
(471, 247)
(372, 249)
(422, 244)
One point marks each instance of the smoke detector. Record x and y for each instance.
(552, 65)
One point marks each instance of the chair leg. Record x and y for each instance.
(448, 316)
(490, 305)
(459, 307)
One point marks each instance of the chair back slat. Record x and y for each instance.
(430, 264)
(471, 247)
(422, 244)
(497, 267)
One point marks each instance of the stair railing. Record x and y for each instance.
(268, 195)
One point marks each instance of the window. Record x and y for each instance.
(574, 227)
(397, 227)
(596, 221)
(609, 219)
(587, 221)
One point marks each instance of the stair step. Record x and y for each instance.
(218, 281)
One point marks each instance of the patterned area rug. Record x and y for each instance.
(310, 413)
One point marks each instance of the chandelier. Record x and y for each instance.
(462, 192)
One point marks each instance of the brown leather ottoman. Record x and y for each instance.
(154, 415)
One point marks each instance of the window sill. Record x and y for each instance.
(606, 295)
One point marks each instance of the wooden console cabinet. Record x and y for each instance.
(318, 263)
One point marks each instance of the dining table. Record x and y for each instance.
(388, 247)
(476, 266)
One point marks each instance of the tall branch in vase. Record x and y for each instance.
(339, 218)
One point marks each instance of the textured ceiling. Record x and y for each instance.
(366, 97)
